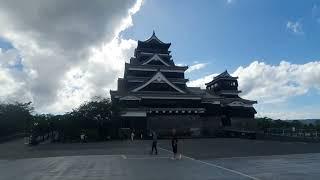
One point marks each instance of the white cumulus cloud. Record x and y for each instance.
(201, 81)
(69, 50)
(11, 79)
(195, 67)
(272, 84)
(288, 114)
(275, 83)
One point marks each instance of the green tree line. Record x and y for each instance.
(14, 118)
(266, 123)
(94, 118)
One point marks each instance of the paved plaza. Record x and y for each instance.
(210, 159)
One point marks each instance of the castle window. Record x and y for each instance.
(233, 84)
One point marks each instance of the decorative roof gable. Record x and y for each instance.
(155, 57)
(158, 77)
(130, 98)
(239, 103)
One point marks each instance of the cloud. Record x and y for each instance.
(95, 77)
(295, 27)
(9, 86)
(196, 67)
(69, 50)
(9, 58)
(11, 78)
(201, 81)
(289, 115)
(269, 84)
(273, 84)
(316, 13)
(230, 1)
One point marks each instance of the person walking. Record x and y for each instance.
(174, 144)
(154, 142)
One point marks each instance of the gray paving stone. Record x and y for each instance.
(222, 159)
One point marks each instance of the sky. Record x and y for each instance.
(59, 54)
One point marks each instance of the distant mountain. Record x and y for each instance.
(308, 121)
(304, 121)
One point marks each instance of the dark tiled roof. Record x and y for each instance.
(127, 65)
(195, 90)
(229, 100)
(224, 75)
(153, 40)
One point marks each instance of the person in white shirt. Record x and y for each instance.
(132, 136)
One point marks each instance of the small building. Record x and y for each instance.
(153, 95)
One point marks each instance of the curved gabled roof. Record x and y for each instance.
(155, 57)
(224, 75)
(158, 77)
(154, 39)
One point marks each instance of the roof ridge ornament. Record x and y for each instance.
(154, 37)
(225, 73)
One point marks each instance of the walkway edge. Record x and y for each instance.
(217, 166)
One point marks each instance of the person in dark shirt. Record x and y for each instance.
(174, 143)
(154, 142)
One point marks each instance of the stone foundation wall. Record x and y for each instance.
(192, 125)
(244, 123)
(174, 121)
(210, 125)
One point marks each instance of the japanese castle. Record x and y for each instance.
(153, 95)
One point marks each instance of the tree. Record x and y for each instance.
(264, 123)
(297, 124)
(95, 116)
(317, 124)
(15, 118)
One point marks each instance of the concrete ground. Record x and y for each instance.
(201, 159)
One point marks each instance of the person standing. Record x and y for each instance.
(174, 144)
(82, 137)
(132, 136)
(154, 142)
